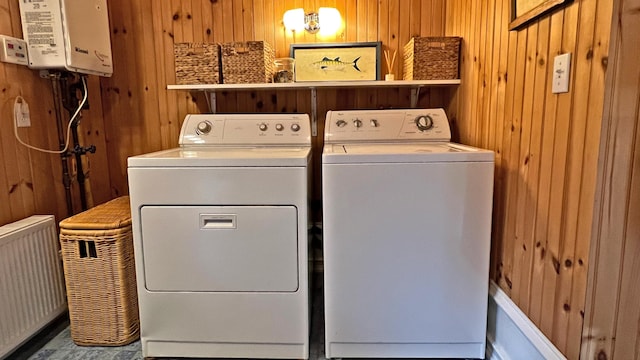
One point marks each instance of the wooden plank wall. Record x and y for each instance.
(612, 322)
(546, 149)
(30, 181)
(141, 116)
(546, 145)
(133, 113)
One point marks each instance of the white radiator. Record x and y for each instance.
(32, 292)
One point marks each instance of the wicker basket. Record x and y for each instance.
(247, 62)
(432, 58)
(197, 63)
(99, 270)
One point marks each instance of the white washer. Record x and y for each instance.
(220, 239)
(407, 222)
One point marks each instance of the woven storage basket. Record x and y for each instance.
(99, 270)
(247, 62)
(197, 63)
(432, 58)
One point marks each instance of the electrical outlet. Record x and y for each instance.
(21, 113)
(13, 50)
(561, 72)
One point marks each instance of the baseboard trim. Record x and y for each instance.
(510, 333)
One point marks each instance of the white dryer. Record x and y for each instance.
(220, 239)
(406, 231)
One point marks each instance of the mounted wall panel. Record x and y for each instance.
(546, 148)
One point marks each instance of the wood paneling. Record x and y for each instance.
(546, 148)
(612, 322)
(133, 113)
(546, 144)
(142, 116)
(30, 181)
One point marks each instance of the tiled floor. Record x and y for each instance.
(62, 347)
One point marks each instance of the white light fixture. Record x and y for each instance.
(326, 21)
(294, 19)
(330, 20)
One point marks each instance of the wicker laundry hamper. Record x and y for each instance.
(99, 270)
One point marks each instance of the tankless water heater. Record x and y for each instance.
(68, 35)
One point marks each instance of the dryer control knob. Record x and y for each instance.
(374, 123)
(424, 122)
(279, 127)
(203, 128)
(295, 127)
(263, 127)
(341, 123)
(357, 123)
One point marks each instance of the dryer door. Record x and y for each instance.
(220, 248)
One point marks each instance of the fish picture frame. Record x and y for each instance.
(337, 61)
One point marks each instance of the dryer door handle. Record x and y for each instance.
(217, 221)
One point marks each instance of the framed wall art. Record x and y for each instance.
(337, 61)
(524, 11)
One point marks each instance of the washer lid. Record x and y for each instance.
(202, 156)
(404, 153)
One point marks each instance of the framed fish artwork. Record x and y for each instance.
(337, 61)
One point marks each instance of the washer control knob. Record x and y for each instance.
(203, 128)
(295, 127)
(263, 127)
(341, 123)
(357, 123)
(279, 127)
(374, 123)
(424, 122)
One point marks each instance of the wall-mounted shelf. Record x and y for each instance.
(415, 86)
(315, 85)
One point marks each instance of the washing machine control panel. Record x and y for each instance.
(245, 129)
(387, 125)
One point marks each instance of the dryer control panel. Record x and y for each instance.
(245, 129)
(387, 125)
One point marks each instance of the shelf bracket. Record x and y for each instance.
(314, 112)
(212, 101)
(415, 93)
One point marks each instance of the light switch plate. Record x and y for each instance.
(561, 72)
(13, 50)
